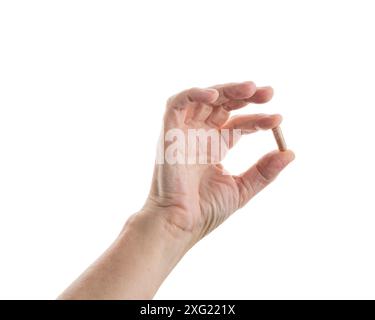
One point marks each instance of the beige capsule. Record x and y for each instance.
(278, 134)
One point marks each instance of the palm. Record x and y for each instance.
(219, 196)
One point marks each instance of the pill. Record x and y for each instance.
(278, 134)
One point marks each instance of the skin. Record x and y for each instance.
(186, 201)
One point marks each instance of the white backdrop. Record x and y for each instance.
(82, 91)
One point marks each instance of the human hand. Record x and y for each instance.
(196, 197)
(188, 197)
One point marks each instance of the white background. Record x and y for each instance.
(82, 91)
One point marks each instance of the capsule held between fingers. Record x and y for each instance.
(278, 134)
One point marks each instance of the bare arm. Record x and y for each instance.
(188, 199)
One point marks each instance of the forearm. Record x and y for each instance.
(186, 201)
(136, 264)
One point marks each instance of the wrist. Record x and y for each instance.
(136, 264)
(152, 229)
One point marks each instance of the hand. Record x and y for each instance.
(197, 197)
(188, 199)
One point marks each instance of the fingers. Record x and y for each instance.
(229, 99)
(234, 91)
(231, 96)
(212, 105)
(261, 174)
(186, 98)
(253, 122)
(239, 125)
(262, 95)
(237, 95)
(245, 124)
(179, 106)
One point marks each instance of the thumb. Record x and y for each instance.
(262, 174)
